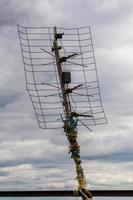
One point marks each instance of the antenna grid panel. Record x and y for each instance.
(80, 73)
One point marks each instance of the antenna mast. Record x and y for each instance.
(70, 123)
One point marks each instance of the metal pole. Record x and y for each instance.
(60, 69)
(70, 130)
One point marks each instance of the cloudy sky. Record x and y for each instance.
(31, 158)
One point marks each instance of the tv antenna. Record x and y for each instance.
(62, 82)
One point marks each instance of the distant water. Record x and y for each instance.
(64, 198)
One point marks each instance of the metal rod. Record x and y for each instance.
(60, 70)
(66, 193)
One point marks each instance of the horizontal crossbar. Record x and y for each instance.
(66, 193)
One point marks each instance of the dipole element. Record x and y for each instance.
(70, 121)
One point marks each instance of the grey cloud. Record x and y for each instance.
(7, 99)
(8, 15)
(3, 173)
(106, 148)
(111, 12)
(13, 11)
(40, 162)
(117, 157)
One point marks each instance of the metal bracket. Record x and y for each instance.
(59, 35)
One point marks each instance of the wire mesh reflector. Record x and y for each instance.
(41, 74)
